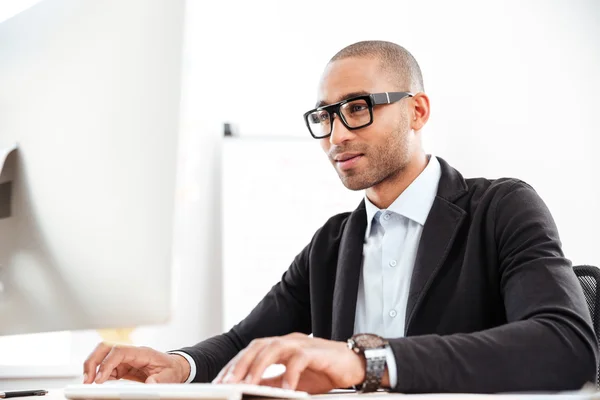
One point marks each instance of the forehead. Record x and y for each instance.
(351, 75)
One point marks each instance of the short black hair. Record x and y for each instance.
(395, 60)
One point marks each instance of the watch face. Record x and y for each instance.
(368, 341)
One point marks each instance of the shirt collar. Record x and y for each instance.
(416, 200)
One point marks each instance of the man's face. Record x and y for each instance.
(367, 156)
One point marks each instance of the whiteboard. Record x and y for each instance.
(276, 193)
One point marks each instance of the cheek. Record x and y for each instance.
(325, 145)
(391, 119)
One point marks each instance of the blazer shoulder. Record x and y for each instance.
(495, 189)
(488, 196)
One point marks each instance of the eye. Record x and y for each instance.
(358, 107)
(355, 108)
(319, 117)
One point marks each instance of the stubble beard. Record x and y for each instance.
(385, 162)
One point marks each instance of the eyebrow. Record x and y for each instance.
(344, 97)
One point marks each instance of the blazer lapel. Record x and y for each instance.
(439, 232)
(348, 274)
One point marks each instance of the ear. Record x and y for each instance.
(420, 111)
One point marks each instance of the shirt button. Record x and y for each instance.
(393, 313)
(386, 216)
(393, 263)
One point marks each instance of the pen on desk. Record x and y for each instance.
(22, 393)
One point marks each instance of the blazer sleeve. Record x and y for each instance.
(548, 343)
(285, 309)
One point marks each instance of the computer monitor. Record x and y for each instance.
(90, 92)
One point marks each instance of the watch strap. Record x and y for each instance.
(376, 361)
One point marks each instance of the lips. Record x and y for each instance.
(346, 156)
(347, 161)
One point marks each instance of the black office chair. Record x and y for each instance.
(589, 277)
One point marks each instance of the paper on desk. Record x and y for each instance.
(5, 175)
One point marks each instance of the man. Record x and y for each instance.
(464, 278)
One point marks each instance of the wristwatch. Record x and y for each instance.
(373, 348)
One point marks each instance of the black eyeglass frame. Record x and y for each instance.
(371, 99)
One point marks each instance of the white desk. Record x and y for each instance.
(58, 395)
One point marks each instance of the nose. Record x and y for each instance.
(339, 133)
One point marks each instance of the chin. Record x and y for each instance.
(355, 182)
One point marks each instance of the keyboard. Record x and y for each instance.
(116, 391)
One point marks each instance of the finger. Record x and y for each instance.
(119, 371)
(222, 372)
(239, 369)
(136, 375)
(277, 351)
(294, 369)
(108, 366)
(274, 381)
(225, 370)
(126, 371)
(93, 360)
(164, 376)
(298, 336)
(118, 355)
(229, 367)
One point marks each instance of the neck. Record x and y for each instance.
(384, 193)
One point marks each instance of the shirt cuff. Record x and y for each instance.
(390, 360)
(190, 360)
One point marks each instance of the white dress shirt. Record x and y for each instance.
(389, 252)
(391, 242)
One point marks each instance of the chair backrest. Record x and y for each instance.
(589, 278)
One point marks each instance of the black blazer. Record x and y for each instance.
(493, 303)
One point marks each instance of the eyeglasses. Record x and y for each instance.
(355, 113)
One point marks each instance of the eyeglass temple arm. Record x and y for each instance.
(389, 97)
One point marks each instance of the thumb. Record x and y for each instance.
(163, 376)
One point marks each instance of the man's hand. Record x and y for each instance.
(312, 365)
(141, 364)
